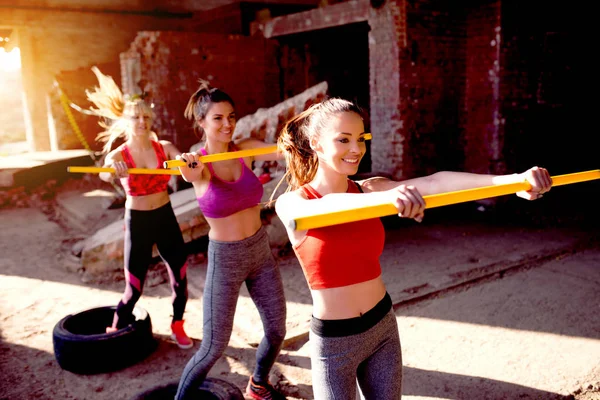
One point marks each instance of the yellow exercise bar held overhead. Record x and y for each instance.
(377, 210)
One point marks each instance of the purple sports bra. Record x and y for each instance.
(224, 198)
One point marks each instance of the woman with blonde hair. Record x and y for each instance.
(149, 216)
(354, 335)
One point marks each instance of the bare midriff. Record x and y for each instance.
(347, 301)
(148, 202)
(235, 227)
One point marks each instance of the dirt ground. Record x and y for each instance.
(37, 291)
(38, 287)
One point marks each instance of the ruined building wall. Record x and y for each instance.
(53, 41)
(432, 87)
(171, 63)
(484, 131)
(545, 86)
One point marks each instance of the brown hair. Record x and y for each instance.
(295, 137)
(199, 103)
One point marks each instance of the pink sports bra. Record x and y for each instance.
(224, 198)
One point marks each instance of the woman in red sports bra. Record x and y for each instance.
(149, 217)
(354, 334)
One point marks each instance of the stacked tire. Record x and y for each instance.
(82, 346)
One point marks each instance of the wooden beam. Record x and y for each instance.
(349, 12)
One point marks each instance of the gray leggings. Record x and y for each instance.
(372, 358)
(229, 265)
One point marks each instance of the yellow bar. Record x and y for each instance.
(234, 154)
(225, 156)
(575, 177)
(343, 216)
(145, 171)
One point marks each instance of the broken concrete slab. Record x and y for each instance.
(103, 251)
(266, 123)
(84, 211)
(33, 169)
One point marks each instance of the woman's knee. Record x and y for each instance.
(131, 296)
(276, 334)
(209, 353)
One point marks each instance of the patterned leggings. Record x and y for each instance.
(143, 229)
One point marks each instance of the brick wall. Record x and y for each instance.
(415, 81)
(545, 78)
(52, 41)
(484, 131)
(309, 58)
(386, 39)
(172, 62)
(474, 86)
(67, 41)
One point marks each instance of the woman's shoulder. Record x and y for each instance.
(288, 202)
(116, 152)
(292, 196)
(165, 144)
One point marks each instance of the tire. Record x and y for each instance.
(210, 389)
(82, 346)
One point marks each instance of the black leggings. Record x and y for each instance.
(143, 229)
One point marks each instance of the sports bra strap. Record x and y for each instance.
(210, 167)
(311, 193)
(360, 189)
(160, 152)
(127, 157)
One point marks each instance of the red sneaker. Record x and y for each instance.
(263, 391)
(179, 336)
(264, 178)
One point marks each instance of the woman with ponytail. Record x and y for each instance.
(149, 217)
(354, 335)
(229, 194)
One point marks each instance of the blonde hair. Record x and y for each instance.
(294, 139)
(113, 106)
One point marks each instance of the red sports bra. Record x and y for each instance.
(341, 255)
(143, 185)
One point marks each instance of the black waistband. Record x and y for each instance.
(352, 326)
(160, 209)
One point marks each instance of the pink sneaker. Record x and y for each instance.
(262, 392)
(110, 329)
(179, 335)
